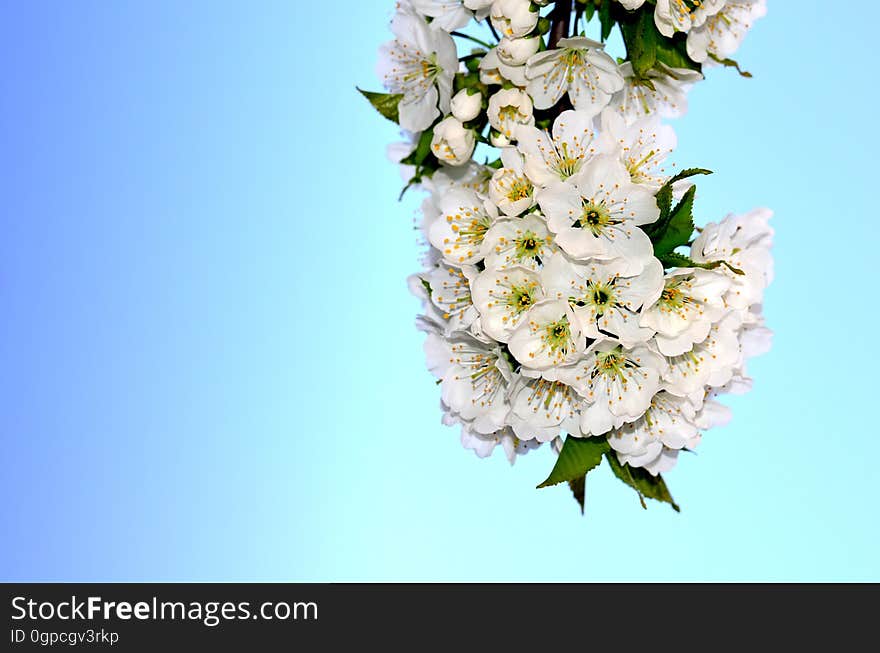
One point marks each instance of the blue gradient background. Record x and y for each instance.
(208, 369)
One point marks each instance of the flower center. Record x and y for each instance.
(520, 189)
(637, 168)
(673, 297)
(567, 163)
(520, 298)
(573, 60)
(472, 231)
(528, 245)
(469, 224)
(558, 335)
(414, 72)
(611, 364)
(600, 296)
(510, 112)
(507, 115)
(430, 68)
(554, 396)
(595, 217)
(687, 6)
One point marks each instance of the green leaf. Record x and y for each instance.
(385, 103)
(605, 19)
(423, 149)
(676, 260)
(421, 157)
(641, 38)
(678, 228)
(664, 202)
(730, 63)
(646, 485)
(658, 228)
(421, 172)
(589, 10)
(578, 456)
(427, 286)
(646, 46)
(673, 52)
(578, 489)
(688, 172)
(470, 81)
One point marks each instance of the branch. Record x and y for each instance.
(559, 22)
(560, 19)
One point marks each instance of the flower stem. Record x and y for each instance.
(472, 38)
(492, 29)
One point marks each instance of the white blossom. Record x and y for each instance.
(508, 109)
(484, 445)
(495, 71)
(616, 383)
(449, 15)
(691, 301)
(712, 414)
(654, 440)
(641, 146)
(466, 105)
(743, 242)
(437, 353)
(475, 383)
(523, 241)
(420, 64)
(452, 142)
(672, 16)
(548, 335)
(721, 35)
(510, 190)
(399, 150)
(709, 363)
(540, 409)
(663, 92)
(579, 67)
(560, 154)
(605, 301)
(755, 340)
(480, 8)
(555, 302)
(451, 295)
(472, 176)
(504, 297)
(513, 18)
(516, 51)
(463, 221)
(595, 213)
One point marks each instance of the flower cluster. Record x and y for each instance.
(569, 297)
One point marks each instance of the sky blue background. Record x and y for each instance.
(208, 369)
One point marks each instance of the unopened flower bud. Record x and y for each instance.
(515, 52)
(466, 104)
(452, 143)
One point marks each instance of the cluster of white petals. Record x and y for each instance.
(547, 311)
